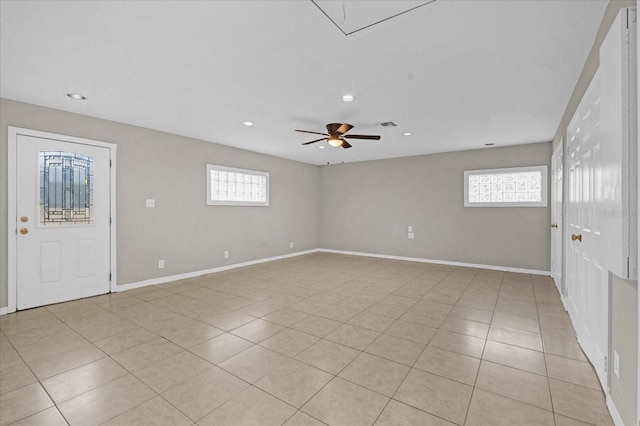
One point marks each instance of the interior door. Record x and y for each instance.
(556, 217)
(587, 279)
(63, 221)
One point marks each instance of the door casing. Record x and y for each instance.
(12, 216)
(557, 218)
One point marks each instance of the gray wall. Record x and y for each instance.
(182, 230)
(359, 207)
(367, 207)
(624, 340)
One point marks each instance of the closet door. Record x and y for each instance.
(587, 279)
(600, 237)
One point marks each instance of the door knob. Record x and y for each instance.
(24, 231)
(24, 219)
(576, 237)
(554, 225)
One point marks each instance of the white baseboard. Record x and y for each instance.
(615, 415)
(441, 262)
(162, 280)
(563, 299)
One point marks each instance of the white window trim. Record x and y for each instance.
(211, 202)
(544, 183)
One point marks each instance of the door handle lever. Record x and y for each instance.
(576, 237)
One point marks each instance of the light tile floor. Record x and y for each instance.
(317, 339)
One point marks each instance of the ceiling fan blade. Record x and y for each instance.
(344, 128)
(317, 140)
(372, 137)
(313, 133)
(333, 127)
(346, 144)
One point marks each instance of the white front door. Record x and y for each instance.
(63, 220)
(587, 279)
(556, 218)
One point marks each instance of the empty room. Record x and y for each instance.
(319, 212)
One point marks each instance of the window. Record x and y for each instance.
(66, 188)
(227, 186)
(514, 187)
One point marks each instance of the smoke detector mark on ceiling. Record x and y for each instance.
(387, 124)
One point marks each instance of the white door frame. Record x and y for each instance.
(13, 212)
(559, 269)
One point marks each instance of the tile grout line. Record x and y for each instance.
(318, 290)
(475, 382)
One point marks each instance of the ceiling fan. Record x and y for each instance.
(336, 135)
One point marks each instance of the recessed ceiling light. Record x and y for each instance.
(407, 134)
(321, 147)
(348, 98)
(489, 144)
(248, 123)
(76, 96)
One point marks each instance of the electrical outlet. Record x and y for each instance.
(160, 264)
(616, 364)
(226, 254)
(411, 235)
(291, 244)
(150, 203)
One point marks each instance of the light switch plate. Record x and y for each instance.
(616, 364)
(410, 235)
(409, 228)
(151, 203)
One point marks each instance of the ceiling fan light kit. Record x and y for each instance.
(335, 141)
(336, 135)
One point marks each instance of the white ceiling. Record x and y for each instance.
(458, 74)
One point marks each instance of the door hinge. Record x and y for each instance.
(109, 220)
(631, 16)
(627, 23)
(109, 276)
(606, 364)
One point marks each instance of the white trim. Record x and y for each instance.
(638, 218)
(167, 279)
(4, 311)
(441, 262)
(12, 141)
(12, 217)
(544, 173)
(170, 278)
(613, 410)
